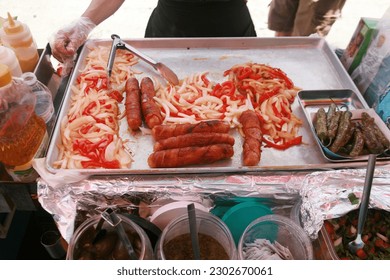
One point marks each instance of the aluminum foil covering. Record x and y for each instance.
(325, 195)
(71, 203)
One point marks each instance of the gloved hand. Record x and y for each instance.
(67, 40)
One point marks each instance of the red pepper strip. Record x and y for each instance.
(277, 73)
(268, 94)
(98, 67)
(243, 89)
(285, 110)
(296, 141)
(114, 164)
(205, 80)
(86, 128)
(114, 94)
(227, 88)
(87, 110)
(244, 73)
(276, 111)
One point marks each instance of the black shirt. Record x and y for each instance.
(200, 18)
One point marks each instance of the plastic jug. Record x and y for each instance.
(21, 131)
(44, 106)
(17, 36)
(8, 57)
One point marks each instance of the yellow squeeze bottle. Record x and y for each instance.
(17, 36)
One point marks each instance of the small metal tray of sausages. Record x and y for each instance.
(343, 128)
(309, 62)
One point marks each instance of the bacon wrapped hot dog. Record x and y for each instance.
(133, 104)
(150, 109)
(251, 128)
(194, 139)
(190, 155)
(165, 131)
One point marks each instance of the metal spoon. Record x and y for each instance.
(358, 243)
(164, 70)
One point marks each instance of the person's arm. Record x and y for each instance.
(100, 10)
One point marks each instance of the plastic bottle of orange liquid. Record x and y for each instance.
(22, 132)
(17, 36)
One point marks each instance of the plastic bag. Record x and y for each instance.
(372, 76)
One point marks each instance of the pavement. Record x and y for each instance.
(44, 17)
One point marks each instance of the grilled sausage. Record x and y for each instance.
(132, 104)
(150, 110)
(378, 133)
(165, 131)
(190, 156)
(320, 125)
(373, 145)
(358, 143)
(251, 128)
(330, 114)
(193, 139)
(333, 125)
(344, 132)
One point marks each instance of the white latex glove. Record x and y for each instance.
(67, 40)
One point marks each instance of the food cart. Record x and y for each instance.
(281, 179)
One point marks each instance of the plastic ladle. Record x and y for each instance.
(358, 243)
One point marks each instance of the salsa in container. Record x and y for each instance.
(376, 235)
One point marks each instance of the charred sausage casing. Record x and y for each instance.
(321, 125)
(190, 156)
(150, 110)
(251, 128)
(133, 104)
(165, 131)
(194, 139)
(344, 131)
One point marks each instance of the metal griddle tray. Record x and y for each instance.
(309, 62)
(344, 99)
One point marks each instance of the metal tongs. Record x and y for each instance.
(164, 70)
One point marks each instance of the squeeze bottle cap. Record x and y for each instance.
(5, 75)
(12, 26)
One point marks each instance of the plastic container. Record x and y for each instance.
(108, 246)
(44, 107)
(215, 239)
(277, 228)
(17, 36)
(8, 57)
(166, 213)
(21, 131)
(238, 217)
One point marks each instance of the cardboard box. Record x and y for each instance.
(357, 47)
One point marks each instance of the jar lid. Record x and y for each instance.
(5, 75)
(241, 215)
(12, 26)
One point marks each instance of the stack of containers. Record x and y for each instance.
(17, 36)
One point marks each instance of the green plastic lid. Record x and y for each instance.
(240, 216)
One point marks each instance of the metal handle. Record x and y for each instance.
(123, 45)
(366, 192)
(115, 221)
